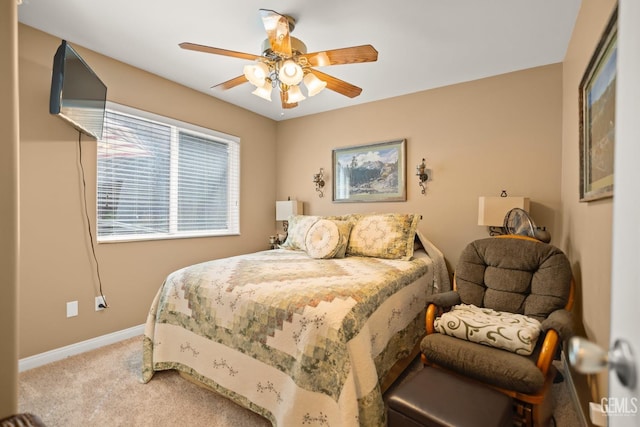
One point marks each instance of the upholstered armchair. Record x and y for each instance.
(502, 275)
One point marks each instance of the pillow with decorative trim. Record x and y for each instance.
(389, 236)
(328, 239)
(299, 225)
(509, 331)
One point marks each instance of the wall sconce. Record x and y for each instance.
(423, 175)
(492, 210)
(318, 180)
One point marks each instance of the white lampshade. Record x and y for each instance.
(264, 91)
(294, 94)
(290, 73)
(492, 210)
(256, 73)
(286, 208)
(314, 85)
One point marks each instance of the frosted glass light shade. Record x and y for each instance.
(492, 210)
(294, 94)
(264, 91)
(286, 208)
(256, 73)
(290, 73)
(314, 85)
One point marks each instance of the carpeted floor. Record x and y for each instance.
(103, 388)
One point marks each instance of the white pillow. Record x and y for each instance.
(327, 239)
(299, 225)
(509, 331)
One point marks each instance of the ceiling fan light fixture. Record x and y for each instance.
(284, 62)
(290, 73)
(264, 91)
(256, 73)
(314, 85)
(294, 94)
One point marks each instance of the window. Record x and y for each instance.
(160, 178)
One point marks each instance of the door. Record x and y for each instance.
(624, 403)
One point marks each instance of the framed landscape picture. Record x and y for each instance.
(370, 173)
(598, 118)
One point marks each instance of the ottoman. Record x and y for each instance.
(433, 397)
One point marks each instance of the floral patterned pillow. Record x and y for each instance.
(328, 239)
(299, 225)
(388, 236)
(509, 331)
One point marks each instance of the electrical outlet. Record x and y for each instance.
(99, 302)
(72, 308)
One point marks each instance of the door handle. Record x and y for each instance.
(588, 358)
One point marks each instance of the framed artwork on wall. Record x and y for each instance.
(597, 117)
(370, 173)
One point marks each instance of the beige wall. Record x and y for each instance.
(479, 137)
(9, 236)
(586, 235)
(56, 262)
(516, 131)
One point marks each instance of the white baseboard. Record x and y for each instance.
(77, 348)
(572, 390)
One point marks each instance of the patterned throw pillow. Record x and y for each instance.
(388, 236)
(328, 239)
(299, 225)
(508, 331)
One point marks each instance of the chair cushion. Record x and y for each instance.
(515, 275)
(22, 420)
(508, 331)
(491, 365)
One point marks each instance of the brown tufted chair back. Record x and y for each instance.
(518, 275)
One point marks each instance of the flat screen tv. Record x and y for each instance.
(77, 93)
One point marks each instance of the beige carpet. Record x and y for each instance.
(102, 388)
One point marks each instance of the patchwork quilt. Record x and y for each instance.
(300, 341)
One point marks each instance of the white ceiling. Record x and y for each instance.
(421, 44)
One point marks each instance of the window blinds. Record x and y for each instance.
(159, 178)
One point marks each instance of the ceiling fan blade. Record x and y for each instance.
(285, 103)
(337, 85)
(218, 51)
(231, 83)
(277, 27)
(347, 55)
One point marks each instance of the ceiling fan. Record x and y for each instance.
(285, 63)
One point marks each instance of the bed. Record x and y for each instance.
(307, 334)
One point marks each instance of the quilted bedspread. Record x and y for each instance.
(298, 340)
